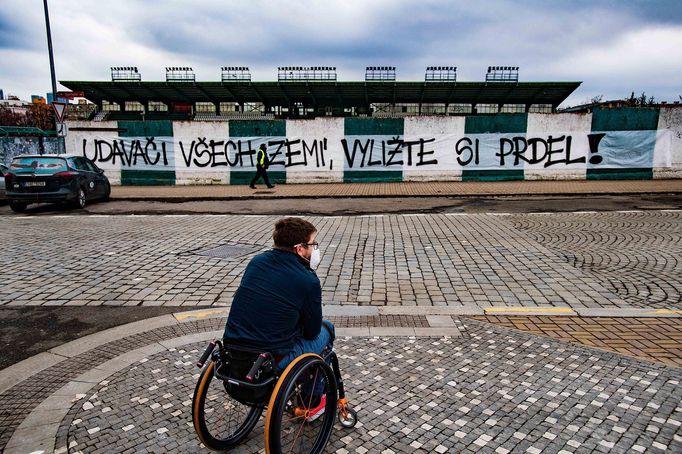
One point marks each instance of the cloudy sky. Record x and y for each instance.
(613, 46)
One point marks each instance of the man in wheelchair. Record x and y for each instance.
(278, 305)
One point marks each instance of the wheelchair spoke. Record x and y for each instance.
(220, 421)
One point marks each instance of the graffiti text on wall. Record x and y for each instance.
(131, 152)
(359, 152)
(203, 152)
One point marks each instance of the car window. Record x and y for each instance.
(80, 164)
(90, 165)
(39, 165)
(73, 164)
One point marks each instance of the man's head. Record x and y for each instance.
(296, 235)
(263, 147)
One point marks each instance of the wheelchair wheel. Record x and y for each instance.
(220, 421)
(349, 420)
(289, 426)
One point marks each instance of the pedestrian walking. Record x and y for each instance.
(262, 164)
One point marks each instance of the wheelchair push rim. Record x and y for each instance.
(288, 427)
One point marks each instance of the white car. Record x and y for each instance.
(3, 171)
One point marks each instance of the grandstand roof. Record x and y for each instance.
(328, 93)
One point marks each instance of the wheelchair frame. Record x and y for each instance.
(275, 387)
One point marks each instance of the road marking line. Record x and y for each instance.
(553, 310)
(205, 313)
(664, 311)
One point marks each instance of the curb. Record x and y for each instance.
(18, 372)
(178, 199)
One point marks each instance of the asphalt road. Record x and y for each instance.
(27, 331)
(357, 206)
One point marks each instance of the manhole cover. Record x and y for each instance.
(230, 251)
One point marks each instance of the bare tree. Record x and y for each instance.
(41, 116)
(10, 118)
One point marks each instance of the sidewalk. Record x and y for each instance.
(403, 189)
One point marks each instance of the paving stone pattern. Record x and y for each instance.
(638, 255)
(17, 402)
(594, 260)
(492, 390)
(654, 339)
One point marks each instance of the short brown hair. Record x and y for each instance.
(291, 231)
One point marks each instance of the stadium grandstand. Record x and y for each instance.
(314, 91)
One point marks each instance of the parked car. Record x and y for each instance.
(54, 178)
(3, 171)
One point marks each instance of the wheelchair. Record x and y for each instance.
(236, 384)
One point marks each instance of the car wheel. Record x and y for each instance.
(17, 207)
(80, 198)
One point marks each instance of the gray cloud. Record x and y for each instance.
(596, 41)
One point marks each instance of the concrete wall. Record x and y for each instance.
(605, 144)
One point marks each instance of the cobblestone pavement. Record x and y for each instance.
(653, 339)
(488, 390)
(482, 388)
(485, 388)
(575, 260)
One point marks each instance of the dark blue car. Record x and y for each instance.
(54, 178)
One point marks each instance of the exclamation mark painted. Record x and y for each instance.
(594, 140)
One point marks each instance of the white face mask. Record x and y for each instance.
(315, 259)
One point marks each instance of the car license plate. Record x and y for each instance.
(34, 183)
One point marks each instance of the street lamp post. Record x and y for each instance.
(49, 49)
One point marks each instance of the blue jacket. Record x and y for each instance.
(278, 300)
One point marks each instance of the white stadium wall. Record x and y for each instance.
(606, 144)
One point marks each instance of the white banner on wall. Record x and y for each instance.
(206, 148)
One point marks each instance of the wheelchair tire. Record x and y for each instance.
(286, 426)
(350, 421)
(220, 421)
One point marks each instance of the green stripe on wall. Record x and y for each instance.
(372, 176)
(492, 175)
(373, 126)
(625, 119)
(496, 124)
(147, 177)
(242, 177)
(257, 128)
(157, 128)
(620, 174)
